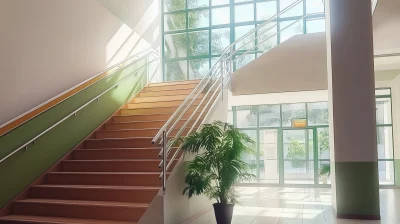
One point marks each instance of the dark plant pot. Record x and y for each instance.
(223, 213)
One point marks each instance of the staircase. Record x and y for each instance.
(114, 176)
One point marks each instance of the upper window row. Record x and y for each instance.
(311, 6)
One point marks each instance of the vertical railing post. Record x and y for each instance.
(164, 166)
(222, 80)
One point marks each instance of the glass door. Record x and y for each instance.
(298, 156)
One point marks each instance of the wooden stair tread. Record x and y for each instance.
(114, 160)
(87, 203)
(106, 149)
(128, 122)
(58, 220)
(108, 173)
(98, 187)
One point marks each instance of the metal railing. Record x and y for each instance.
(211, 87)
(152, 56)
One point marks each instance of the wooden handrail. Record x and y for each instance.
(22, 119)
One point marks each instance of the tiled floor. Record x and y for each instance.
(269, 205)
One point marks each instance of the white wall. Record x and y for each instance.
(48, 46)
(386, 22)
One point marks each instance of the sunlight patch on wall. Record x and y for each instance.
(116, 42)
(148, 18)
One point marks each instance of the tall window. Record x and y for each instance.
(197, 31)
(290, 154)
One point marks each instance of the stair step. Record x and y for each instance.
(119, 211)
(159, 99)
(153, 87)
(21, 219)
(127, 153)
(146, 117)
(130, 133)
(105, 178)
(159, 104)
(95, 193)
(196, 81)
(138, 165)
(138, 142)
(142, 124)
(145, 111)
(173, 92)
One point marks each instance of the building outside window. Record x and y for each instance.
(195, 32)
(292, 140)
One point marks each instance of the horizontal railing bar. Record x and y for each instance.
(74, 112)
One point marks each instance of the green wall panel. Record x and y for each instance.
(357, 189)
(23, 168)
(397, 172)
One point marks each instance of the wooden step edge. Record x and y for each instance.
(141, 108)
(106, 187)
(182, 82)
(110, 149)
(201, 95)
(151, 114)
(114, 160)
(57, 220)
(136, 129)
(84, 203)
(132, 122)
(106, 173)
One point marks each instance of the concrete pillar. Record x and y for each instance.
(351, 86)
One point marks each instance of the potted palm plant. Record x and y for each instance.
(217, 166)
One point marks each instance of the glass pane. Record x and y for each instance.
(175, 70)
(267, 37)
(290, 29)
(269, 166)
(248, 42)
(383, 111)
(323, 143)
(219, 2)
(214, 60)
(318, 113)
(385, 142)
(198, 43)
(230, 117)
(299, 172)
(198, 19)
(176, 21)
(382, 92)
(266, 10)
(243, 60)
(244, 13)
(270, 115)
(251, 158)
(315, 25)
(197, 3)
(220, 39)
(246, 116)
(315, 6)
(290, 111)
(174, 5)
(386, 172)
(324, 177)
(175, 45)
(237, 1)
(198, 68)
(296, 10)
(298, 144)
(221, 16)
